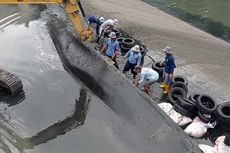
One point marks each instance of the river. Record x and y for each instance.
(209, 15)
(56, 114)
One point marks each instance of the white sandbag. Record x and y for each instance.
(206, 148)
(176, 117)
(166, 107)
(197, 128)
(220, 147)
(181, 120)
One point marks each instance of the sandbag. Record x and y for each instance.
(181, 120)
(206, 148)
(176, 117)
(220, 147)
(197, 128)
(166, 107)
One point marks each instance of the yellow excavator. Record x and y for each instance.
(72, 7)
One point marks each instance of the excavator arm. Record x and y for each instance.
(72, 7)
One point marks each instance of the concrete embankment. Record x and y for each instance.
(150, 129)
(201, 57)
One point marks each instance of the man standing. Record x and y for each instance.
(107, 25)
(111, 48)
(148, 76)
(97, 20)
(131, 59)
(169, 65)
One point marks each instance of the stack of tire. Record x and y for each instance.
(203, 106)
(178, 89)
(127, 44)
(178, 97)
(206, 107)
(223, 116)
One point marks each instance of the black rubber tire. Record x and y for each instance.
(205, 119)
(223, 123)
(120, 40)
(194, 97)
(172, 95)
(124, 49)
(156, 66)
(180, 85)
(142, 50)
(182, 111)
(223, 112)
(225, 127)
(187, 104)
(206, 104)
(128, 42)
(117, 32)
(227, 139)
(179, 78)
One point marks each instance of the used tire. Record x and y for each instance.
(194, 97)
(227, 139)
(180, 85)
(117, 32)
(179, 78)
(128, 42)
(120, 40)
(223, 112)
(187, 104)
(182, 111)
(142, 50)
(225, 127)
(124, 49)
(205, 119)
(176, 93)
(156, 66)
(206, 104)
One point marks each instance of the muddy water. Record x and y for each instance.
(56, 114)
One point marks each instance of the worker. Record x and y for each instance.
(148, 77)
(111, 48)
(169, 65)
(131, 59)
(96, 20)
(107, 24)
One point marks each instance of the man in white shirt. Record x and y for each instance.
(107, 25)
(147, 77)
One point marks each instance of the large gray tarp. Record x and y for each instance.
(151, 131)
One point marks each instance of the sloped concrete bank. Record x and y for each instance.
(152, 130)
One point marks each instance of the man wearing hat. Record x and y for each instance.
(169, 65)
(108, 24)
(111, 47)
(97, 20)
(131, 59)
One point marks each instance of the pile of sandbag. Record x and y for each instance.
(222, 145)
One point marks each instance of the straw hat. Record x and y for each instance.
(136, 48)
(112, 35)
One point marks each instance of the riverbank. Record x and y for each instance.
(201, 57)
